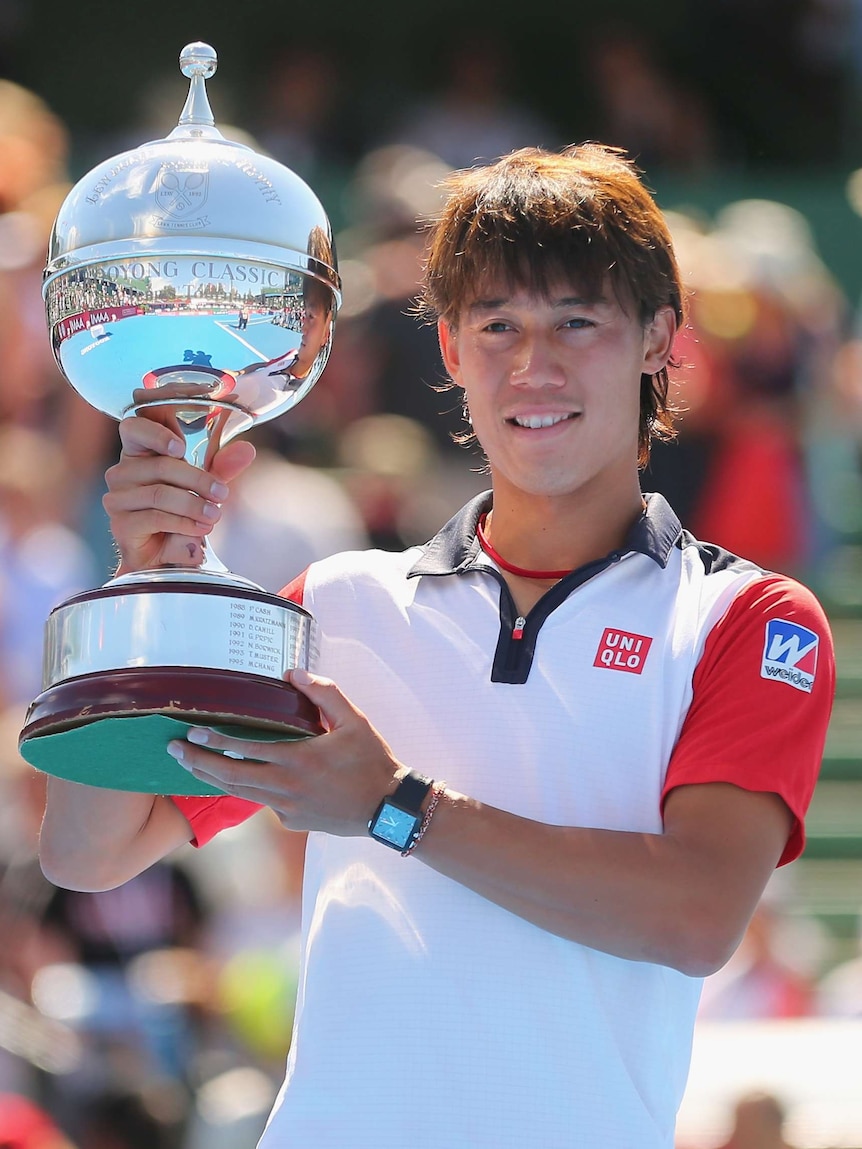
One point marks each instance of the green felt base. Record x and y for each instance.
(125, 754)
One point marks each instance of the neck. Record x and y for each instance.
(552, 534)
(512, 568)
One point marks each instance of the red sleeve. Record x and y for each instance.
(209, 815)
(295, 590)
(763, 693)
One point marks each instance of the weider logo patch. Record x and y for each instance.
(620, 650)
(790, 654)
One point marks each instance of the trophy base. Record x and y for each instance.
(111, 729)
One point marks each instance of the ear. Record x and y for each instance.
(659, 335)
(449, 349)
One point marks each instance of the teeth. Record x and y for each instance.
(536, 421)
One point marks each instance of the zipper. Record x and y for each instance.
(516, 644)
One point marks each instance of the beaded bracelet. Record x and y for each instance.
(437, 791)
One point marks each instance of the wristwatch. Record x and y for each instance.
(398, 818)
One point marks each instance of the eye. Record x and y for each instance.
(497, 325)
(578, 322)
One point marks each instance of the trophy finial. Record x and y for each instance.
(198, 62)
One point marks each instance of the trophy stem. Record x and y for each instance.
(198, 63)
(204, 426)
(212, 564)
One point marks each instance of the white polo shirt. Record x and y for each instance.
(431, 1017)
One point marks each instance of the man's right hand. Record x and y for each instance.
(160, 507)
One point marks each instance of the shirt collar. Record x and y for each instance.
(455, 548)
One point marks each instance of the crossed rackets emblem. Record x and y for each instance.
(181, 192)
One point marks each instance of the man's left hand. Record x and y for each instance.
(332, 782)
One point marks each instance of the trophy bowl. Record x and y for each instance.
(193, 281)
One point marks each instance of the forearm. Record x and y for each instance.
(680, 898)
(659, 898)
(95, 839)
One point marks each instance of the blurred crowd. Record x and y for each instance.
(159, 1015)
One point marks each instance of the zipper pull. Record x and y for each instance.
(518, 629)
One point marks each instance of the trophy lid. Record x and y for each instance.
(194, 191)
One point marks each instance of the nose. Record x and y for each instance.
(537, 364)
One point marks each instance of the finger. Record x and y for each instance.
(235, 783)
(212, 760)
(272, 751)
(126, 495)
(141, 524)
(210, 767)
(145, 475)
(138, 526)
(142, 435)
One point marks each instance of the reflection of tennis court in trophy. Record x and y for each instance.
(121, 362)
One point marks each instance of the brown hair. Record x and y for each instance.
(536, 216)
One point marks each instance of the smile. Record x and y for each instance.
(534, 422)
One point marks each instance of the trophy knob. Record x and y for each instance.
(198, 59)
(198, 62)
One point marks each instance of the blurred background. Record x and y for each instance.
(159, 1015)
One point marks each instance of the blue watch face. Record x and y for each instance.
(395, 826)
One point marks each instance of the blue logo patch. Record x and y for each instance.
(790, 654)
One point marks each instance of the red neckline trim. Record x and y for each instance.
(522, 572)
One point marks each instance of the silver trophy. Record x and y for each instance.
(192, 281)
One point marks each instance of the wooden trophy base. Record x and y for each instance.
(110, 729)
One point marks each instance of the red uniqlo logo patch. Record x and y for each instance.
(620, 650)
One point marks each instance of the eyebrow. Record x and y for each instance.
(479, 306)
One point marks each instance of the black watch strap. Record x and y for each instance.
(411, 792)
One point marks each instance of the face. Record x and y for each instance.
(316, 321)
(553, 385)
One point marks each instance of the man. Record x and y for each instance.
(601, 736)
(289, 371)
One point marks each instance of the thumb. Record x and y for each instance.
(334, 707)
(232, 460)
